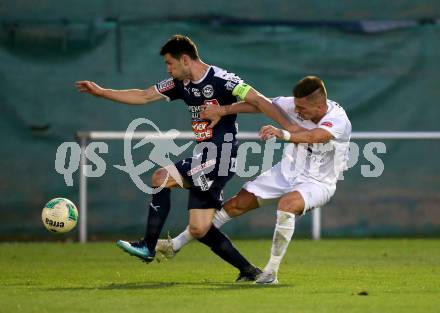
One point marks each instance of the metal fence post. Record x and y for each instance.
(83, 191)
(316, 223)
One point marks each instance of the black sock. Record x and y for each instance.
(223, 247)
(158, 212)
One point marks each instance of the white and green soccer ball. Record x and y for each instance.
(59, 215)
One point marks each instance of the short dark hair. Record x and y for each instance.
(178, 45)
(308, 85)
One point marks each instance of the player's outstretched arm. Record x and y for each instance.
(316, 135)
(128, 96)
(264, 105)
(215, 112)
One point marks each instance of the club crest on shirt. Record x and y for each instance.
(208, 91)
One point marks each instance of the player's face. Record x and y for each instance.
(307, 109)
(176, 67)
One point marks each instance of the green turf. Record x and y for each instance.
(326, 276)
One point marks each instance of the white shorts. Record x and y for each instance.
(272, 185)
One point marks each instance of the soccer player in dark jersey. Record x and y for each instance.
(206, 173)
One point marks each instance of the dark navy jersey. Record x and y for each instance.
(215, 87)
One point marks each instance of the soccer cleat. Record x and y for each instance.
(165, 248)
(267, 278)
(250, 275)
(136, 248)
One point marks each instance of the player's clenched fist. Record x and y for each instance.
(213, 113)
(89, 87)
(269, 131)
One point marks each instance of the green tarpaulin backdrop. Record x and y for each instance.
(387, 81)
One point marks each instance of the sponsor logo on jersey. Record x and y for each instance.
(211, 102)
(195, 111)
(200, 167)
(299, 117)
(230, 85)
(328, 124)
(165, 85)
(201, 131)
(196, 92)
(208, 91)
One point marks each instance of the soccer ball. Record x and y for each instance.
(59, 215)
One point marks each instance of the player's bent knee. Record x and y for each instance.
(291, 209)
(158, 177)
(198, 231)
(292, 204)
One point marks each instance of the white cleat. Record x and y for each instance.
(267, 278)
(165, 248)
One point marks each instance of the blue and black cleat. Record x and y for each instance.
(137, 248)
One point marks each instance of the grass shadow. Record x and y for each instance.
(162, 285)
(235, 286)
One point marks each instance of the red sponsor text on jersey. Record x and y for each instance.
(328, 124)
(201, 131)
(166, 85)
(211, 102)
(200, 128)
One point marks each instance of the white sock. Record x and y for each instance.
(182, 239)
(281, 238)
(220, 218)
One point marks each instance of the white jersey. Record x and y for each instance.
(319, 162)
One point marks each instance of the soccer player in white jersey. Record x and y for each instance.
(306, 176)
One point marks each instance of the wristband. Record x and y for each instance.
(286, 135)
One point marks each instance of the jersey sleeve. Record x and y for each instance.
(168, 89)
(337, 126)
(230, 81)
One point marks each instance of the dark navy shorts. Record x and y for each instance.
(206, 178)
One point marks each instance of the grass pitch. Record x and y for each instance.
(326, 276)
